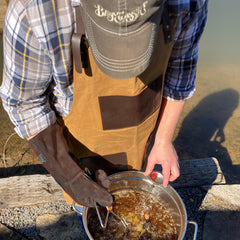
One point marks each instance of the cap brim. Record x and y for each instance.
(122, 56)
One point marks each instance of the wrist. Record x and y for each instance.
(163, 141)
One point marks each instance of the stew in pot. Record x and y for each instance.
(146, 216)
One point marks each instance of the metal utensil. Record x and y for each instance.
(109, 210)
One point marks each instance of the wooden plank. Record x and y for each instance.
(27, 190)
(222, 196)
(35, 189)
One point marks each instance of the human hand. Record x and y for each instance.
(164, 153)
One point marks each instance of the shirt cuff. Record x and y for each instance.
(178, 96)
(36, 126)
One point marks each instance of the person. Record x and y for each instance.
(99, 88)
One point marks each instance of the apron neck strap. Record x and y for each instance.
(78, 39)
(166, 24)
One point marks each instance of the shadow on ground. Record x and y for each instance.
(22, 170)
(202, 132)
(201, 136)
(48, 227)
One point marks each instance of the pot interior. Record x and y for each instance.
(133, 180)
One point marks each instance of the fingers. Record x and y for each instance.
(102, 178)
(175, 173)
(166, 177)
(170, 174)
(149, 169)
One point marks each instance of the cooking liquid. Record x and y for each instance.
(147, 218)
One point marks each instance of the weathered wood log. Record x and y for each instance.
(35, 189)
(199, 172)
(27, 190)
(222, 196)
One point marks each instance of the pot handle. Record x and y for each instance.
(75, 208)
(195, 230)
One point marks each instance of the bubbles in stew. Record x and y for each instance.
(147, 218)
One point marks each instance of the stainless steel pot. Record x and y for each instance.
(135, 180)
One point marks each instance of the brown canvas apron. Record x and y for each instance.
(114, 118)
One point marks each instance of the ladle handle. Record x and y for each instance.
(156, 177)
(195, 230)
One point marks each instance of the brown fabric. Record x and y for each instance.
(85, 120)
(76, 45)
(112, 163)
(117, 158)
(51, 148)
(128, 111)
(85, 124)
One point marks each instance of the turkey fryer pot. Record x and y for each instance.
(134, 180)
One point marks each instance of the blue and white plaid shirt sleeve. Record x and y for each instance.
(37, 77)
(182, 67)
(37, 74)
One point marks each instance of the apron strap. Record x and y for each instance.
(166, 24)
(78, 40)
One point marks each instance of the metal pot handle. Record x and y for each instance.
(75, 209)
(195, 230)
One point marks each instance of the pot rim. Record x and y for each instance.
(140, 176)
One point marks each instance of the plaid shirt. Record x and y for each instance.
(37, 79)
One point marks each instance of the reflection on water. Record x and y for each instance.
(202, 131)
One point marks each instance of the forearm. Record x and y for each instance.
(52, 149)
(163, 151)
(169, 115)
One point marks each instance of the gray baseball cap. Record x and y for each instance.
(122, 34)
